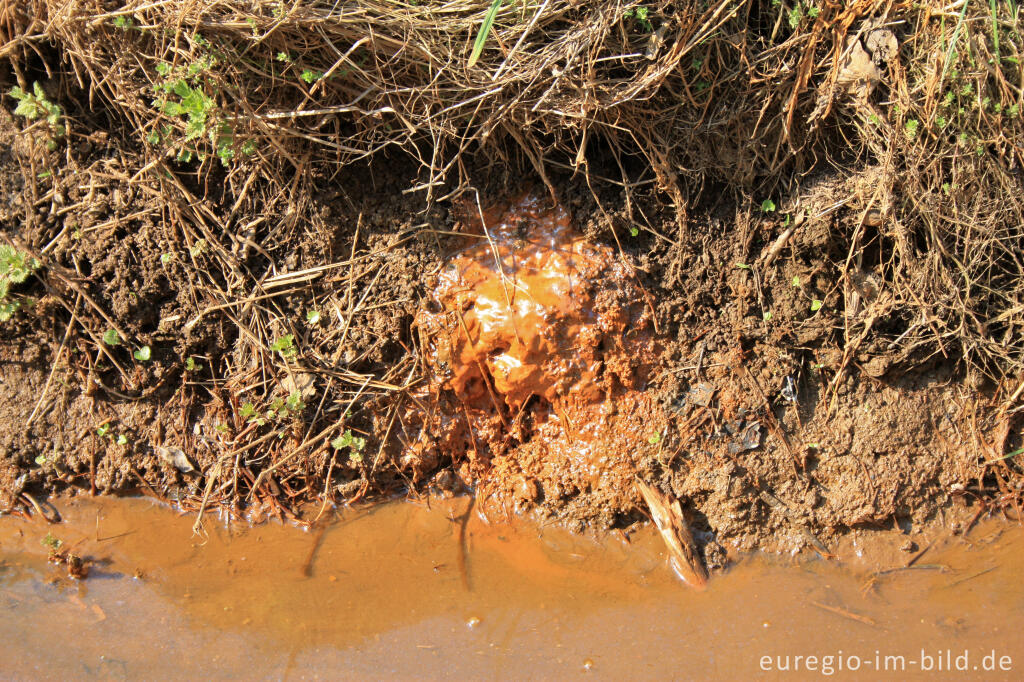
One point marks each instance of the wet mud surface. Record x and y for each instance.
(540, 347)
(415, 592)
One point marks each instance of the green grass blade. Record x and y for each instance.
(481, 36)
(995, 30)
(952, 44)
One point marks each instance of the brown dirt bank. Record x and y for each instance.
(241, 336)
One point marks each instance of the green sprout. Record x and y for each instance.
(768, 206)
(111, 337)
(294, 402)
(285, 345)
(482, 33)
(355, 444)
(640, 16)
(15, 267)
(187, 95)
(313, 316)
(34, 105)
(143, 354)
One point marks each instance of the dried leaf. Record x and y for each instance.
(175, 457)
(668, 516)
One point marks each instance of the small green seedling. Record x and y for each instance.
(768, 206)
(191, 365)
(294, 402)
(143, 354)
(186, 94)
(355, 444)
(15, 267)
(121, 439)
(640, 16)
(103, 430)
(34, 106)
(767, 316)
(796, 280)
(111, 337)
(816, 305)
(285, 345)
(654, 438)
(313, 316)
(633, 232)
(742, 266)
(280, 408)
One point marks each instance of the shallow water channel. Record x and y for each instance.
(416, 591)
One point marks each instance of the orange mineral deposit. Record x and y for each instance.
(538, 345)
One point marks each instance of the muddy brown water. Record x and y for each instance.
(416, 591)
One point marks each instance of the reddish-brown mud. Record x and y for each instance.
(539, 345)
(415, 592)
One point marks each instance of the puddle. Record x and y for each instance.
(406, 591)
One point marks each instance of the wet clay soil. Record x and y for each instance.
(417, 592)
(539, 346)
